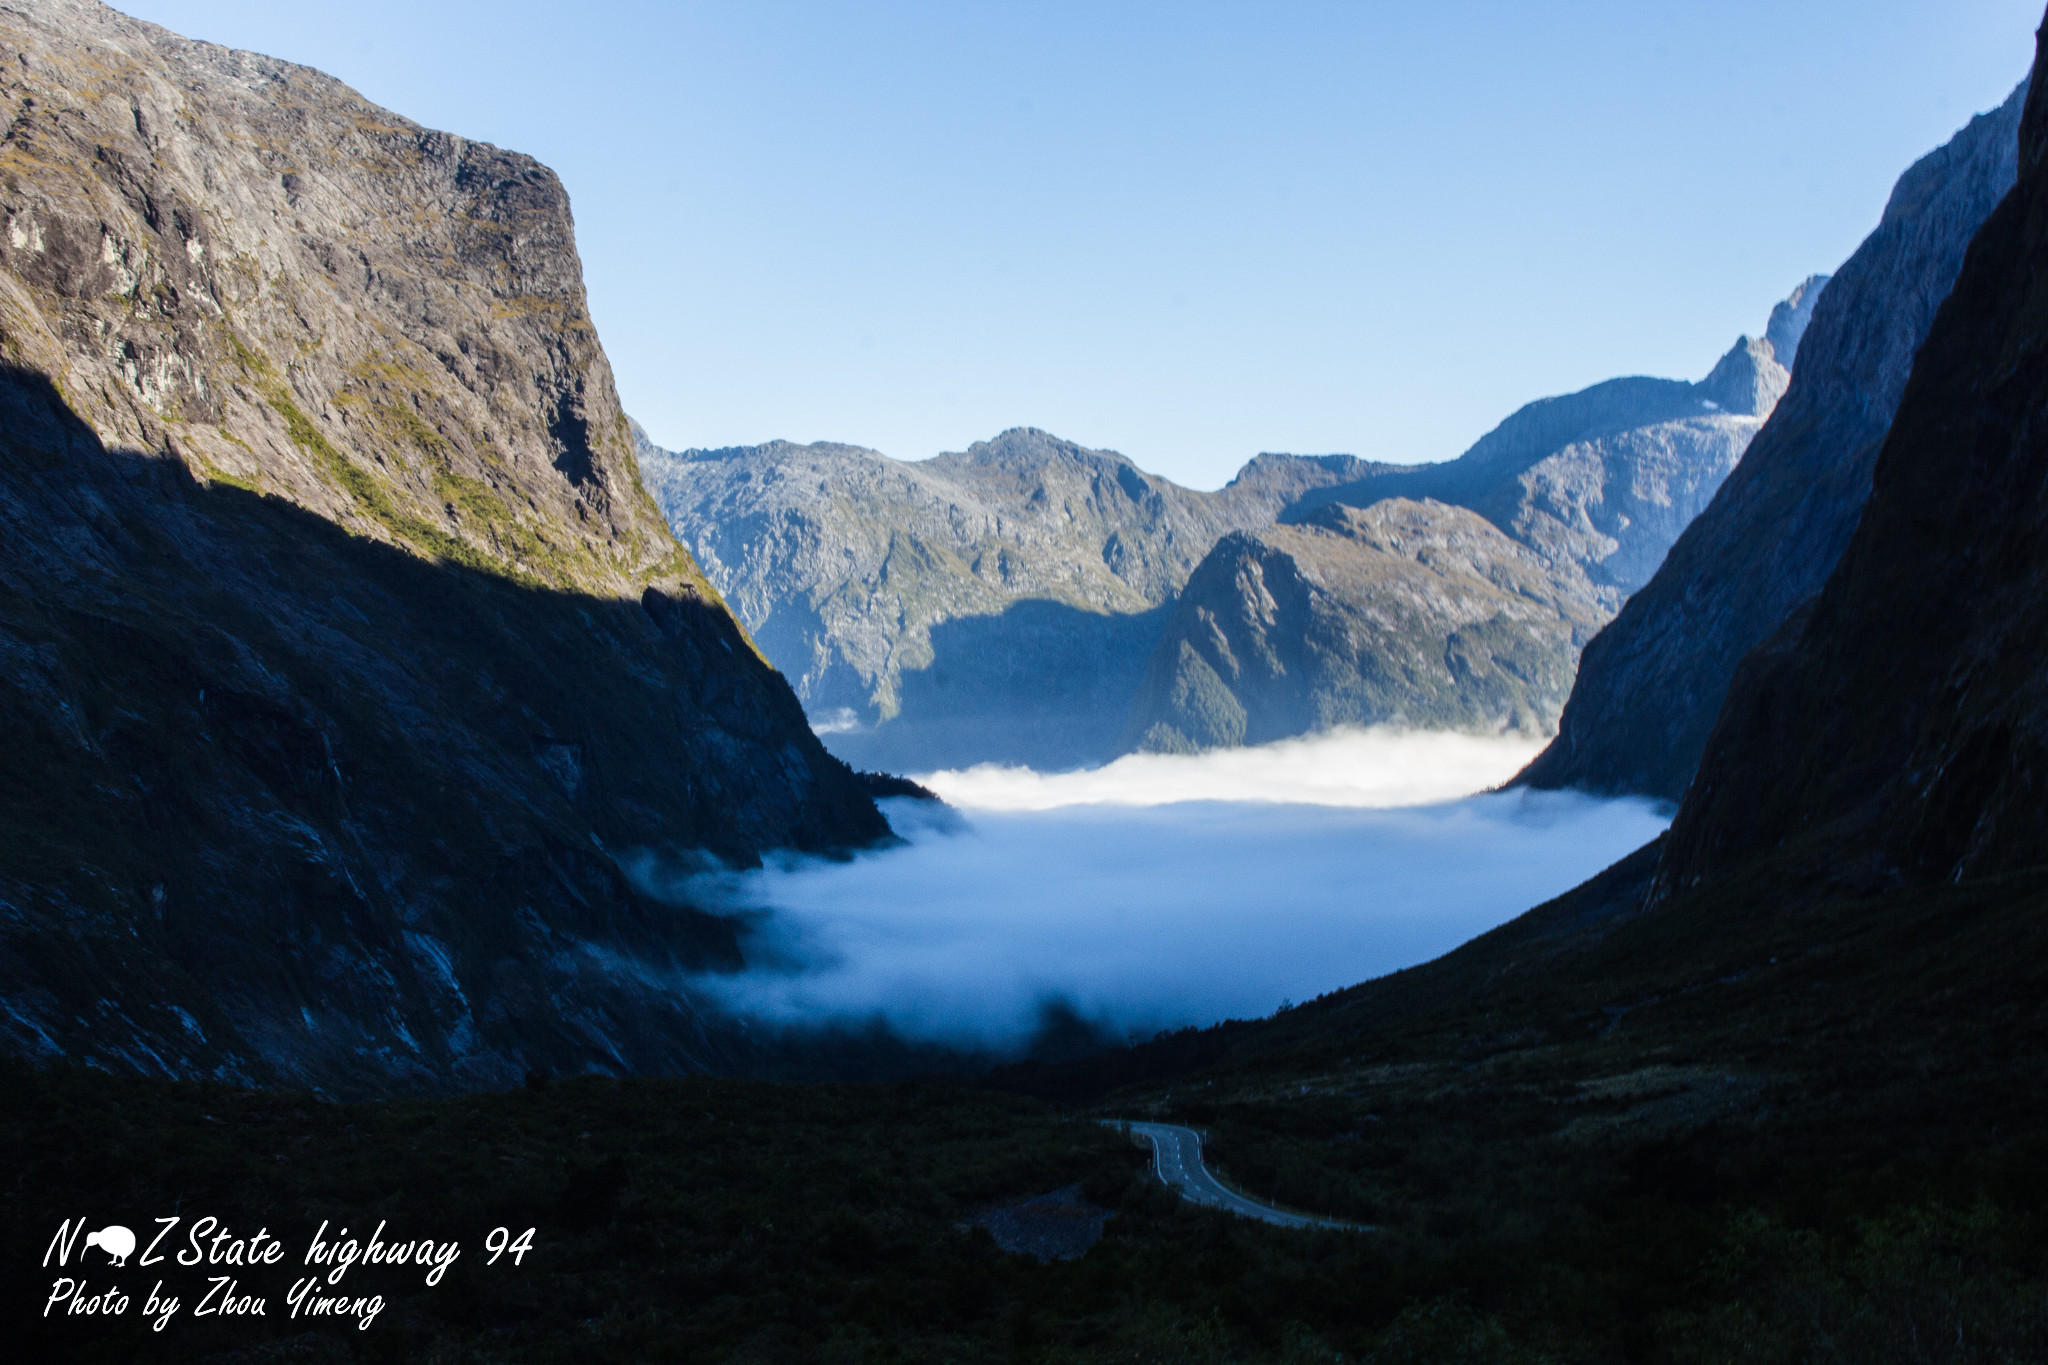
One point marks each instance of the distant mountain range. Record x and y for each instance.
(1456, 595)
(1022, 601)
(997, 603)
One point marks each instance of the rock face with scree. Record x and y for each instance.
(343, 657)
(1652, 682)
(1458, 595)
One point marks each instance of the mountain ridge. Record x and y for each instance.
(1652, 682)
(1535, 536)
(341, 649)
(917, 606)
(1403, 613)
(1899, 714)
(845, 562)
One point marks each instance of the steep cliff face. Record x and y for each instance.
(341, 650)
(1790, 319)
(1402, 613)
(1653, 681)
(922, 609)
(1900, 721)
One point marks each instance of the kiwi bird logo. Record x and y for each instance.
(115, 1240)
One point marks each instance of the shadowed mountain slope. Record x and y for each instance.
(913, 605)
(1651, 683)
(340, 647)
(1903, 715)
(1403, 613)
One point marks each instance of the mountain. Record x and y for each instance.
(1835, 956)
(1758, 1068)
(1652, 682)
(1790, 319)
(341, 649)
(919, 608)
(1602, 481)
(1409, 613)
(1898, 722)
(1466, 602)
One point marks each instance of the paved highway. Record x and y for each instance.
(1177, 1157)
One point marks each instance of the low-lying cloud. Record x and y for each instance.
(1144, 909)
(1352, 767)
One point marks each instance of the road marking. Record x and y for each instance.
(1169, 1143)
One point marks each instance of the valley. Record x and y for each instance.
(991, 930)
(742, 903)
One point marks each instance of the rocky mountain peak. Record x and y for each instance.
(1746, 382)
(1030, 448)
(1268, 468)
(1789, 319)
(1407, 612)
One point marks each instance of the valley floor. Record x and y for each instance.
(1836, 1155)
(1794, 1119)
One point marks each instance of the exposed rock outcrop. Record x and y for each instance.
(1791, 318)
(994, 603)
(1007, 603)
(1900, 720)
(1507, 560)
(1652, 683)
(1403, 613)
(341, 650)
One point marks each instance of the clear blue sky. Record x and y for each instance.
(1186, 231)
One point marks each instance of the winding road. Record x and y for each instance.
(1177, 1158)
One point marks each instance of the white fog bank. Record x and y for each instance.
(1172, 891)
(1352, 767)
